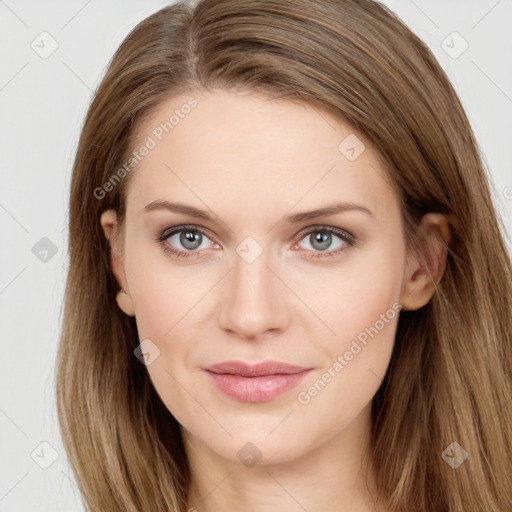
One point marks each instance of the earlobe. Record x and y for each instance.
(425, 267)
(110, 228)
(125, 303)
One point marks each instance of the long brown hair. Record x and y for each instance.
(450, 375)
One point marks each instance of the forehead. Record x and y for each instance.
(233, 146)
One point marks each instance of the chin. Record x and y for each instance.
(256, 447)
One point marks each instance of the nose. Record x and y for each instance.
(255, 300)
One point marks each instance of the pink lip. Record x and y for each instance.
(255, 383)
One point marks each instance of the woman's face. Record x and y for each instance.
(258, 276)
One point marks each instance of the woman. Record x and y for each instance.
(288, 287)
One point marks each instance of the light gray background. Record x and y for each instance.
(42, 106)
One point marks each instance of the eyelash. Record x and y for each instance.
(346, 237)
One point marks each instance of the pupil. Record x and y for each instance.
(189, 239)
(323, 239)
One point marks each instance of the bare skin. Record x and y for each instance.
(251, 162)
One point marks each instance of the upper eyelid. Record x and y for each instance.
(167, 232)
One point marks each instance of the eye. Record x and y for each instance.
(187, 241)
(323, 244)
(183, 241)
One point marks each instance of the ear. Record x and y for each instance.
(110, 227)
(427, 262)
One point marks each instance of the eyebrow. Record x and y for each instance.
(191, 211)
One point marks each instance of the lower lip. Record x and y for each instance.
(256, 389)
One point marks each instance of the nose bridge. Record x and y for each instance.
(255, 302)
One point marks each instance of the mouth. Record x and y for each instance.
(258, 382)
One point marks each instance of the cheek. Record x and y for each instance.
(363, 310)
(162, 291)
(355, 297)
(164, 299)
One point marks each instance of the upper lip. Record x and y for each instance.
(255, 370)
